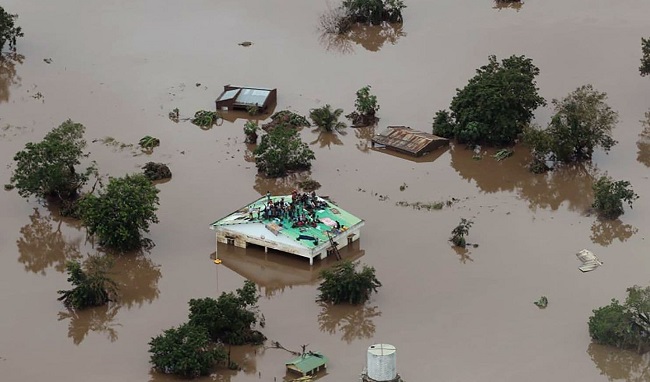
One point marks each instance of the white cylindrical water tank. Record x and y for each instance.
(382, 362)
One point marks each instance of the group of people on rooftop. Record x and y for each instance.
(300, 211)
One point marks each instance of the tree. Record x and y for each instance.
(121, 212)
(47, 168)
(367, 107)
(327, 119)
(495, 104)
(9, 32)
(582, 122)
(343, 284)
(645, 59)
(229, 318)
(374, 11)
(625, 326)
(610, 195)
(280, 151)
(250, 130)
(458, 233)
(92, 285)
(185, 351)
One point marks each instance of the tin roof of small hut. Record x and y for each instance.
(308, 362)
(405, 139)
(245, 95)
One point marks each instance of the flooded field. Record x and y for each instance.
(120, 66)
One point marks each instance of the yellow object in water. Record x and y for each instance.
(217, 261)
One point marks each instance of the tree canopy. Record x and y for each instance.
(344, 284)
(609, 196)
(185, 351)
(582, 122)
(495, 105)
(645, 58)
(48, 168)
(281, 150)
(92, 284)
(374, 11)
(230, 317)
(327, 119)
(121, 212)
(9, 32)
(624, 326)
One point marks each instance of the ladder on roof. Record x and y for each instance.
(334, 247)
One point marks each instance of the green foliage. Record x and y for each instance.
(542, 303)
(290, 118)
(495, 105)
(47, 168)
(229, 318)
(624, 326)
(253, 110)
(374, 11)
(204, 118)
(157, 171)
(121, 212)
(609, 197)
(443, 124)
(327, 119)
(9, 32)
(582, 122)
(280, 151)
(503, 154)
(366, 103)
(250, 130)
(185, 351)
(148, 142)
(645, 59)
(343, 284)
(92, 286)
(458, 233)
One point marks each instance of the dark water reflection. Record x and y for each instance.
(137, 277)
(463, 254)
(99, 319)
(43, 245)
(280, 186)
(8, 76)
(603, 231)
(327, 139)
(501, 4)
(352, 322)
(370, 37)
(643, 144)
(570, 185)
(364, 135)
(620, 365)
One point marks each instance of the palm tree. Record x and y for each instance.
(327, 119)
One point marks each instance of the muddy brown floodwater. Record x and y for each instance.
(120, 66)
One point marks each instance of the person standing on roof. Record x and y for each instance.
(268, 196)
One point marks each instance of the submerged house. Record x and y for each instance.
(308, 363)
(408, 141)
(313, 231)
(243, 97)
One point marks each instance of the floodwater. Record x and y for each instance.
(120, 66)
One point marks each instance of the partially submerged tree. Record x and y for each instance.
(156, 171)
(205, 119)
(344, 284)
(49, 168)
(374, 11)
(327, 119)
(460, 231)
(645, 58)
(92, 284)
(624, 326)
(121, 212)
(286, 118)
(281, 151)
(367, 108)
(229, 318)
(609, 196)
(250, 131)
(9, 32)
(495, 105)
(185, 351)
(582, 122)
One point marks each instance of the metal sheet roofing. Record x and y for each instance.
(228, 95)
(308, 362)
(252, 97)
(406, 139)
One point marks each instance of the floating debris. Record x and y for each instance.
(156, 171)
(589, 260)
(403, 187)
(148, 142)
(245, 43)
(542, 302)
(47, 60)
(174, 115)
(9, 187)
(502, 154)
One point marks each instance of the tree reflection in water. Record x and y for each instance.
(604, 231)
(620, 365)
(354, 322)
(364, 135)
(643, 144)
(43, 245)
(280, 186)
(370, 37)
(327, 139)
(8, 77)
(98, 319)
(463, 254)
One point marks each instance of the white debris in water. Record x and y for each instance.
(589, 260)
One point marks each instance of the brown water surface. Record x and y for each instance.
(120, 66)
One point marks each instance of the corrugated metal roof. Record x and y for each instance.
(406, 139)
(252, 97)
(308, 362)
(228, 95)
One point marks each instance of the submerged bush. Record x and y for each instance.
(281, 150)
(343, 284)
(610, 195)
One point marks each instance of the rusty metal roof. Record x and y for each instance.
(405, 139)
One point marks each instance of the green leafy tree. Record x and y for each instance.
(250, 130)
(185, 351)
(374, 11)
(624, 326)
(645, 59)
(121, 212)
(48, 168)
(9, 32)
(460, 231)
(344, 284)
(92, 284)
(582, 122)
(281, 150)
(327, 119)
(367, 107)
(443, 124)
(496, 103)
(610, 195)
(229, 318)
